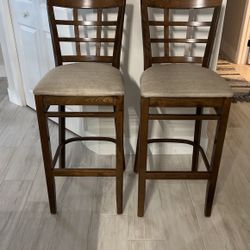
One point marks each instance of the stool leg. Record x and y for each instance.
(46, 151)
(197, 139)
(136, 163)
(143, 155)
(119, 154)
(123, 160)
(216, 156)
(62, 156)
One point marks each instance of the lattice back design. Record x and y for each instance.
(169, 38)
(90, 31)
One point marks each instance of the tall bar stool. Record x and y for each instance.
(88, 80)
(179, 82)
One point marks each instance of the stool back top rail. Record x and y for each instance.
(221, 105)
(166, 23)
(99, 6)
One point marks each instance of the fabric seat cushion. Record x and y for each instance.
(183, 80)
(82, 79)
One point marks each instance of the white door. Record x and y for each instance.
(33, 42)
(26, 26)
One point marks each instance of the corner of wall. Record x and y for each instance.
(228, 51)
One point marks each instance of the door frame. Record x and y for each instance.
(11, 60)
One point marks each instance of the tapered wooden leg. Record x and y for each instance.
(216, 156)
(124, 161)
(136, 163)
(197, 139)
(143, 155)
(119, 154)
(62, 157)
(46, 151)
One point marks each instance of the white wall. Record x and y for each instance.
(2, 68)
(231, 36)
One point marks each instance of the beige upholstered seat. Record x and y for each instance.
(82, 79)
(183, 80)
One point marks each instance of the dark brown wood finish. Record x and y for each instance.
(220, 105)
(166, 32)
(99, 32)
(143, 155)
(216, 155)
(182, 4)
(43, 102)
(46, 151)
(61, 122)
(87, 4)
(178, 23)
(197, 139)
(77, 34)
(119, 123)
(211, 38)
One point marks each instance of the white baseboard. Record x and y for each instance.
(2, 71)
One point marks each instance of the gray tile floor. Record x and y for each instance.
(86, 216)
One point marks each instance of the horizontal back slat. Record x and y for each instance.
(87, 4)
(104, 59)
(177, 40)
(86, 23)
(177, 59)
(182, 4)
(191, 24)
(87, 40)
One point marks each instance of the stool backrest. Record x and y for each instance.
(168, 7)
(76, 26)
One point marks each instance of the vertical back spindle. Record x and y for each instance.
(166, 31)
(99, 31)
(190, 32)
(77, 35)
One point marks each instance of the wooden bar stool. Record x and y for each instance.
(88, 80)
(181, 83)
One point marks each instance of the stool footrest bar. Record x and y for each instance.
(77, 172)
(92, 138)
(176, 175)
(163, 140)
(182, 117)
(167, 140)
(80, 114)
